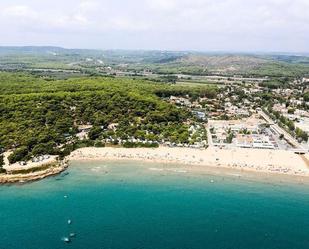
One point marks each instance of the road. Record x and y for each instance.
(209, 138)
(279, 130)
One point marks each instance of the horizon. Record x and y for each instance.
(267, 26)
(216, 52)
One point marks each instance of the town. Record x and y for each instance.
(242, 115)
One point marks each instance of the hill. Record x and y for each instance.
(159, 62)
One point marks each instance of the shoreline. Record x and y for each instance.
(270, 163)
(235, 162)
(165, 169)
(33, 176)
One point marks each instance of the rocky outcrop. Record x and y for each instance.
(33, 176)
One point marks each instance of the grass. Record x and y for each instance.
(196, 83)
(34, 169)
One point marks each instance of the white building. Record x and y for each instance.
(255, 141)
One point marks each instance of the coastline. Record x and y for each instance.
(102, 167)
(51, 170)
(266, 162)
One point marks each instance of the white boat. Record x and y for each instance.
(69, 222)
(72, 235)
(66, 240)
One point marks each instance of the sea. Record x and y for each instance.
(133, 205)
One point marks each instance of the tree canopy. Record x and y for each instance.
(39, 116)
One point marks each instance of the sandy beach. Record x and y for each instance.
(220, 161)
(263, 161)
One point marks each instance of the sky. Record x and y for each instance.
(203, 25)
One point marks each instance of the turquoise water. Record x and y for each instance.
(125, 206)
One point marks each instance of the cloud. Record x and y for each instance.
(88, 5)
(22, 11)
(186, 24)
(162, 5)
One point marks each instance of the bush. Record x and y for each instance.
(2, 170)
(18, 155)
(95, 133)
(83, 144)
(150, 145)
(66, 151)
(44, 149)
(302, 135)
(99, 144)
(140, 145)
(1, 161)
(33, 170)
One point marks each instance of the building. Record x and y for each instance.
(83, 131)
(200, 115)
(305, 80)
(255, 141)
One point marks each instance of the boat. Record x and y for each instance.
(66, 239)
(69, 222)
(72, 235)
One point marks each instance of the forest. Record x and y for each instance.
(41, 116)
